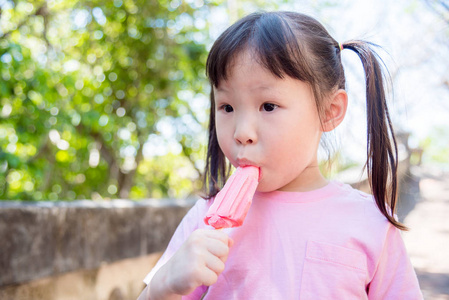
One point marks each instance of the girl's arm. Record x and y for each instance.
(395, 277)
(157, 294)
(198, 262)
(145, 295)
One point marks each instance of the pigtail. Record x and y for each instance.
(382, 152)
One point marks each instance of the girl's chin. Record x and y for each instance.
(266, 187)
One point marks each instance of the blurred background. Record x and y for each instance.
(104, 100)
(108, 99)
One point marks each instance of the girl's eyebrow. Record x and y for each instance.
(262, 87)
(221, 89)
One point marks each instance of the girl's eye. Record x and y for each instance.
(269, 106)
(227, 108)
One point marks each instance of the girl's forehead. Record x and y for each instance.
(251, 77)
(247, 66)
(242, 59)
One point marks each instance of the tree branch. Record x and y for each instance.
(188, 156)
(105, 151)
(128, 178)
(42, 150)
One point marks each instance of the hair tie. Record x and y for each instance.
(340, 46)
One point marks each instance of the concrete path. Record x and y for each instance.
(425, 210)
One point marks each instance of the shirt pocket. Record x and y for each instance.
(333, 272)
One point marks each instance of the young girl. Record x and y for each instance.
(278, 84)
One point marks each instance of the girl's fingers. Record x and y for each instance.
(215, 264)
(218, 234)
(208, 277)
(222, 236)
(219, 249)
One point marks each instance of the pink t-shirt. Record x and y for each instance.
(330, 243)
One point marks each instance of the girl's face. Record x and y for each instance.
(271, 123)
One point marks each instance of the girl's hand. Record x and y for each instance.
(198, 262)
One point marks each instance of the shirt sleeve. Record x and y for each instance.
(395, 277)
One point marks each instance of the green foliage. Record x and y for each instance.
(98, 99)
(435, 149)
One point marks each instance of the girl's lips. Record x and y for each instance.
(246, 163)
(243, 162)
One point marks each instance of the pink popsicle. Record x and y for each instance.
(232, 203)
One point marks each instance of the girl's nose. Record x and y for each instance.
(245, 133)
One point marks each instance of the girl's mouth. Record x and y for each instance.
(243, 162)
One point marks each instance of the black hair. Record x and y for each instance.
(296, 45)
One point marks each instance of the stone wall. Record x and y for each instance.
(44, 243)
(120, 280)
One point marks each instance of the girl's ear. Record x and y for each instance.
(336, 110)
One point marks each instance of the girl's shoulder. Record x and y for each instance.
(359, 204)
(194, 217)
